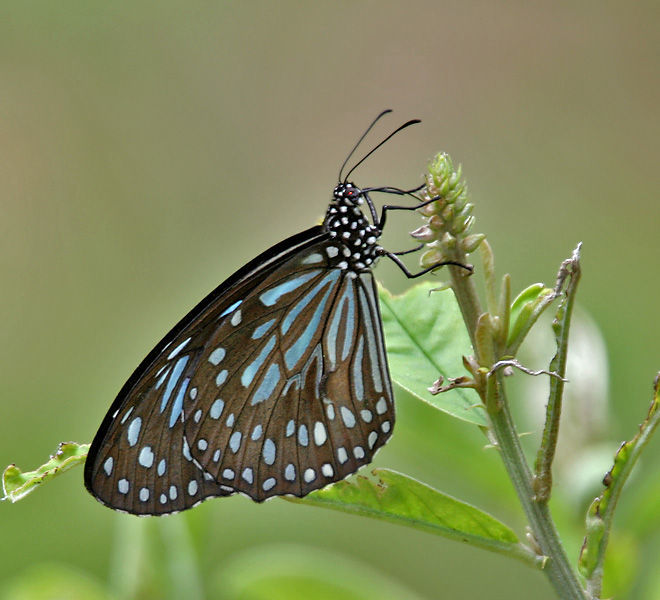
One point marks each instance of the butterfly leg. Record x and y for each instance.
(397, 261)
(398, 191)
(383, 213)
(411, 251)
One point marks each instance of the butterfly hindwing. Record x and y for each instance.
(298, 396)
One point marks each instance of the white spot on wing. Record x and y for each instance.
(269, 451)
(247, 475)
(216, 356)
(235, 441)
(146, 457)
(216, 409)
(320, 434)
(347, 416)
(134, 431)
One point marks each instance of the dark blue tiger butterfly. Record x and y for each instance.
(276, 383)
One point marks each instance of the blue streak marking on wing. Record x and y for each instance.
(369, 324)
(262, 329)
(162, 377)
(312, 258)
(358, 384)
(173, 380)
(350, 322)
(251, 370)
(292, 315)
(296, 351)
(178, 349)
(271, 296)
(232, 308)
(268, 384)
(177, 405)
(333, 331)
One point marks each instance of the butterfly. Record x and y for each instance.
(276, 383)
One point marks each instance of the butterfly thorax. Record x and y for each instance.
(356, 236)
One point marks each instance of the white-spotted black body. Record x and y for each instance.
(347, 225)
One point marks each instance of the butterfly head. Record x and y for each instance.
(348, 193)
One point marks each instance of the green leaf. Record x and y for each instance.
(399, 499)
(601, 512)
(525, 311)
(16, 484)
(426, 338)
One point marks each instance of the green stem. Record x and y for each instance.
(561, 325)
(558, 568)
(465, 291)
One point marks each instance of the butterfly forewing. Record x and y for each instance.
(140, 461)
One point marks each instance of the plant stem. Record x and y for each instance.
(570, 269)
(465, 291)
(558, 569)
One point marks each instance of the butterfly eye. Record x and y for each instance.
(351, 193)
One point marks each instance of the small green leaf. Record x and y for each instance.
(16, 484)
(426, 338)
(525, 311)
(399, 499)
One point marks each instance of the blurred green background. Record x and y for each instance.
(147, 150)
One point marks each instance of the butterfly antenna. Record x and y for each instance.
(388, 110)
(368, 154)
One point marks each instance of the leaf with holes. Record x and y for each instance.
(16, 484)
(425, 338)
